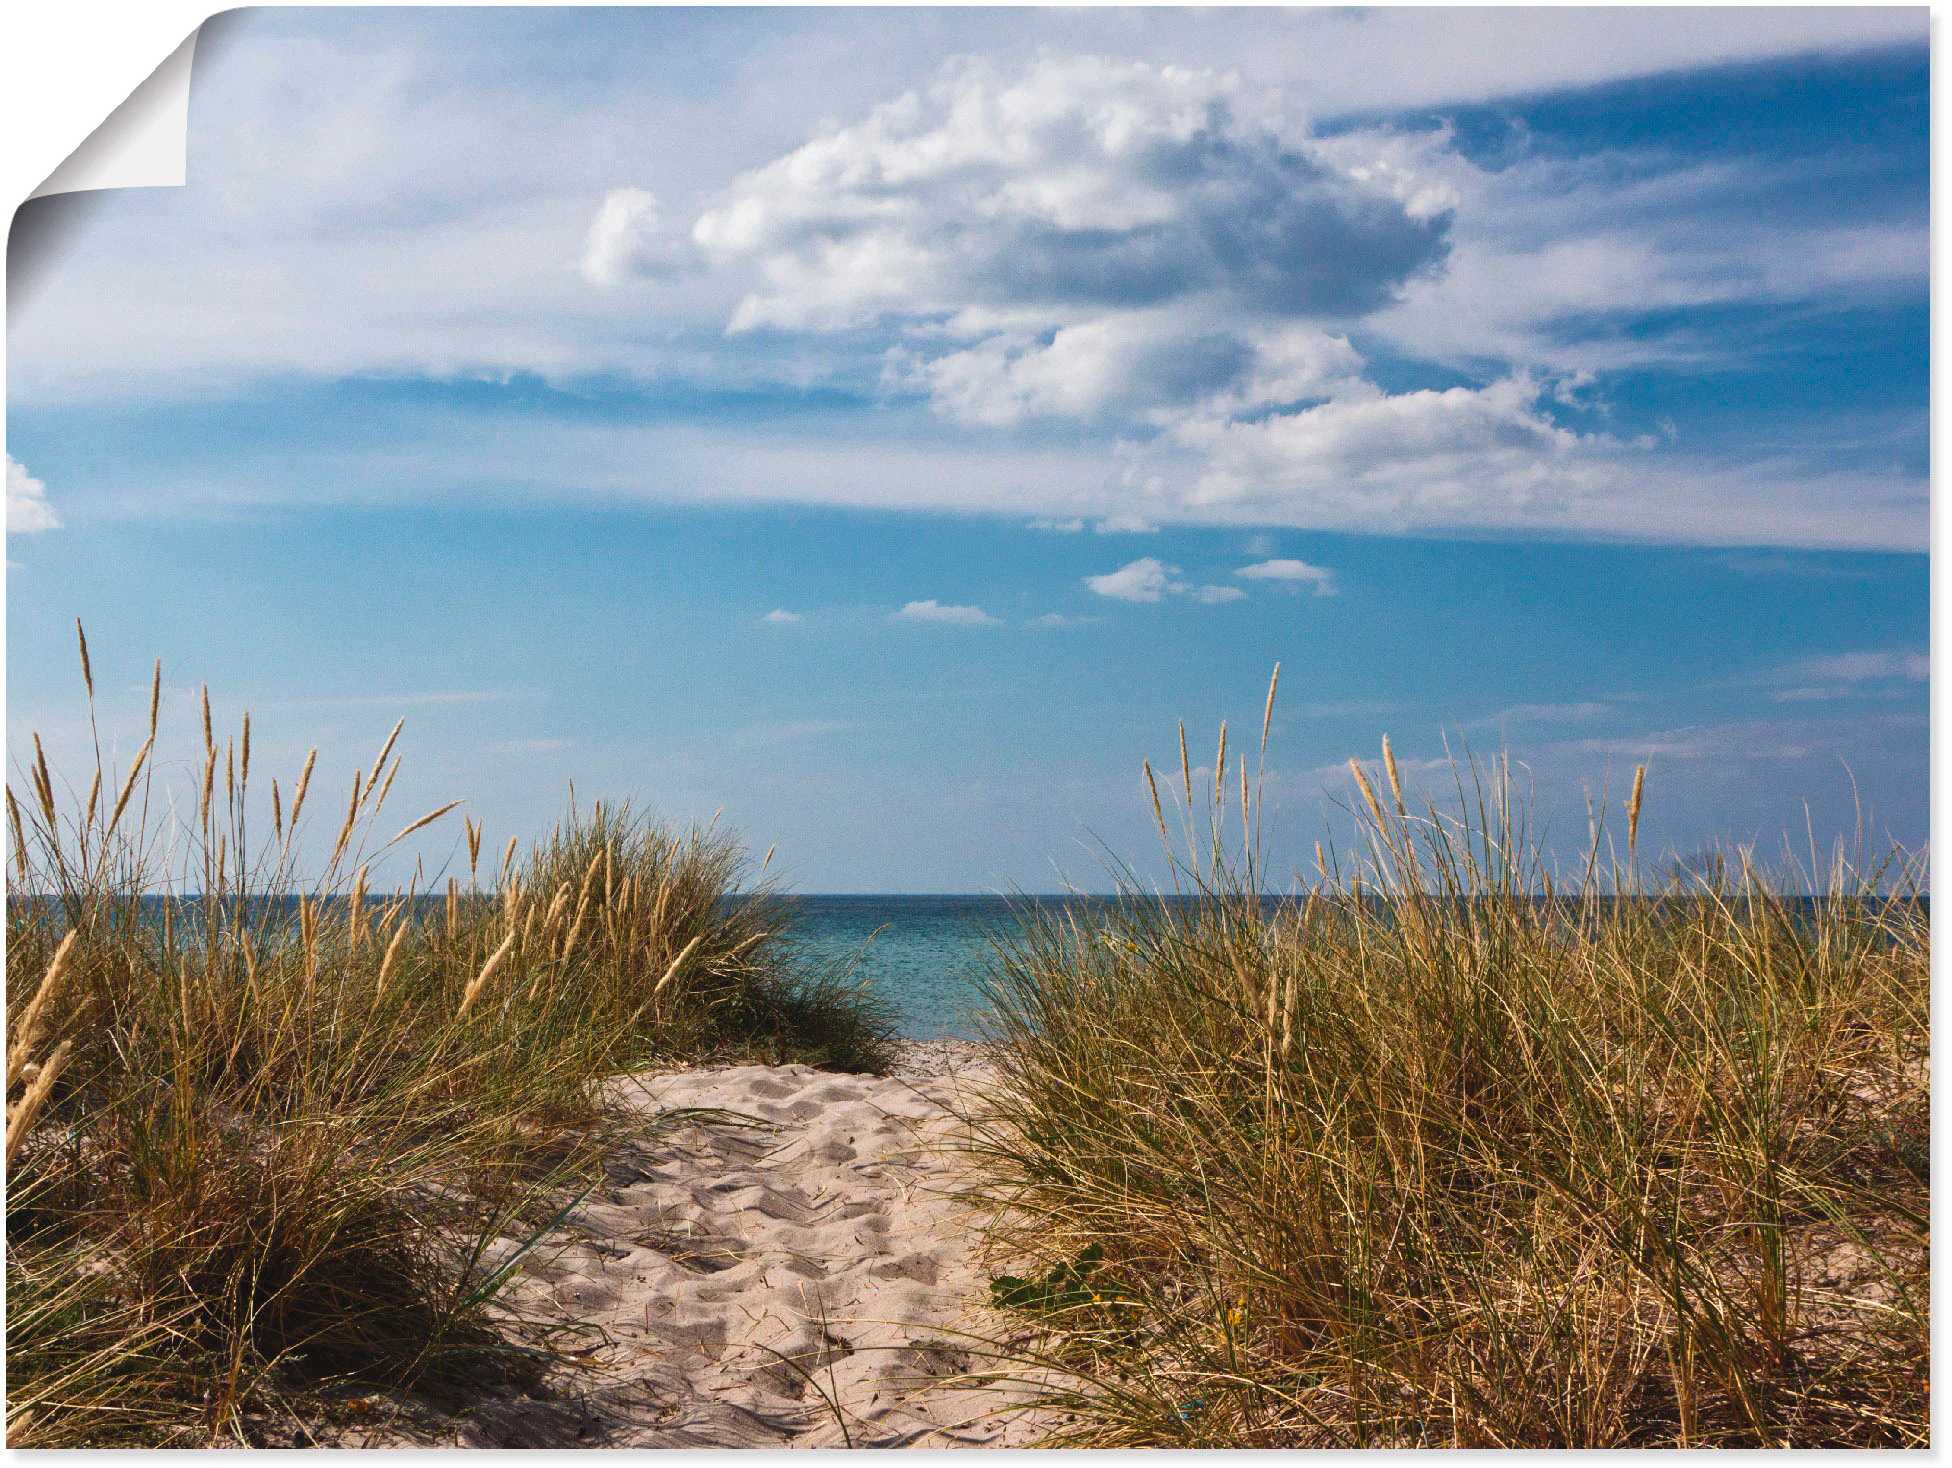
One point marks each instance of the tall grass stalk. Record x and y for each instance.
(1425, 1156)
(264, 1124)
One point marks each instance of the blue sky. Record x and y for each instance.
(885, 425)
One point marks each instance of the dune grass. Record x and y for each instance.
(267, 1128)
(1432, 1156)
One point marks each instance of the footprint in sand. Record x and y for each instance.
(808, 1284)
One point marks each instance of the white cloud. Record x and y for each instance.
(1150, 579)
(1146, 579)
(1864, 667)
(386, 194)
(1849, 675)
(1083, 239)
(1121, 221)
(1062, 527)
(1126, 363)
(1125, 524)
(1291, 574)
(934, 611)
(28, 512)
(1542, 248)
(1599, 488)
(623, 240)
(1214, 595)
(1551, 712)
(1074, 182)
(780, 614)
(1457, 458)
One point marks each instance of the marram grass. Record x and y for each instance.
(261, 1130)
(1426, 1156)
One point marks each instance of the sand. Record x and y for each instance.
(794, 1271)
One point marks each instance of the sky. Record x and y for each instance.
(884, 426)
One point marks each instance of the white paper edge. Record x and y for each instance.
(144, 143)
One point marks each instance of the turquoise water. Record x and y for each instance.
(921, 953)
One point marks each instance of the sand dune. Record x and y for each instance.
(794, 1270)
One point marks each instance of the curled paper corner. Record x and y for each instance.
(142, 144)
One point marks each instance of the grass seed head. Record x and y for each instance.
(304, 784)
(87, 669)
(1362, 783)
(494, 962)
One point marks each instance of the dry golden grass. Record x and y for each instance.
(1421, 1157)
(262, 1130)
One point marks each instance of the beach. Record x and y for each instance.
(786, 1264)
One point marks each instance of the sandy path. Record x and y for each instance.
(803, 1278)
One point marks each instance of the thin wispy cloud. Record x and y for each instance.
(1887, 674)
(1058, 619)
(1550, 713)
(1862, 667)
(953, 616)
(519, 747)
(428, 699)
(787, 731)
(1124, 232)
(1390, 339)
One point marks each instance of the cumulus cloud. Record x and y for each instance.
(1151, 249)
(1077, 182)
(1291, 575)
(780, 614)
(1146, 579)
(1148, 244)
(1123, 364)
(624, 240)
(1150, 579)
(1083, 239)
(934, 611)
(28, 511)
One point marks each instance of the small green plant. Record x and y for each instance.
(1069, 1285)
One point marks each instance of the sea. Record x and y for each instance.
(921, 954)
(924, 955)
